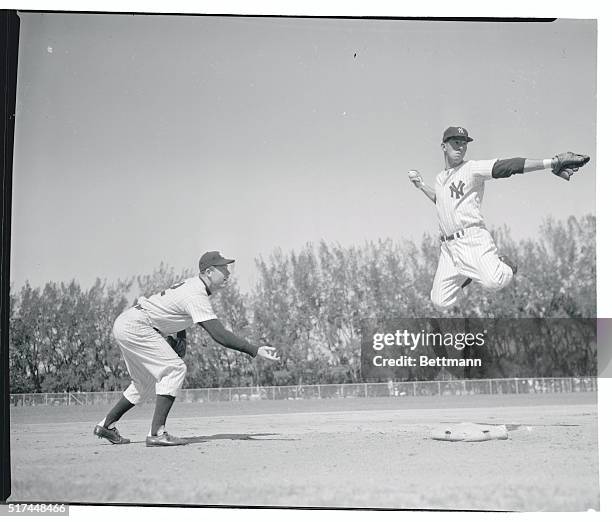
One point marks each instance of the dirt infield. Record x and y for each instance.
(341, 453)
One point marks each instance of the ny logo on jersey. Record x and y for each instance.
(457, 190)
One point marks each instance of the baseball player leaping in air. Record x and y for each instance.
(468, 252)
(154, 358)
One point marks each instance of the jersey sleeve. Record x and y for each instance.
(200, 309)
(483, 169)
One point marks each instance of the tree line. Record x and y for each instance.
(310, 304)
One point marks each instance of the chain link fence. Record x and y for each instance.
(331, 391)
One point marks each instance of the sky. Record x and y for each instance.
(149, 139)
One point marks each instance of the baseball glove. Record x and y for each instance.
(568, 163)
(178, 344)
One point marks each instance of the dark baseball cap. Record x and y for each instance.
(213, 258)
(456, 132)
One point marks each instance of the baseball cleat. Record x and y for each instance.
(504, 259)
(111, 435)
(165, 439)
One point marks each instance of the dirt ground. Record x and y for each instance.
(328, 453)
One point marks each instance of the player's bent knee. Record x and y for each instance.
(173, 379)
(178, 370)
(441, 304)
(138, 394)
(497, 283)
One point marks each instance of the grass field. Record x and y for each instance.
(329, 453)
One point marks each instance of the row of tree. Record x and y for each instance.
(310, 304)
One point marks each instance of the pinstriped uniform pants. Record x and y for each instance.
(474, 255)
(152, 364)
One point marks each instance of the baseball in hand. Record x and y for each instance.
(415, 177)
(268, 352)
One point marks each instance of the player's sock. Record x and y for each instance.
(117, 412)
(162, 408)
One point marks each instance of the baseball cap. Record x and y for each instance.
(213, 258)
(456, 132)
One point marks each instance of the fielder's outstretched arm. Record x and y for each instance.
(417, 180)
(504, 168)
(563, 165)
(230, 340)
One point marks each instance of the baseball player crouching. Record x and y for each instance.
(468, 252)
(154, 357)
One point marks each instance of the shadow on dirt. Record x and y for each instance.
(232, 436)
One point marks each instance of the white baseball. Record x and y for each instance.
(415, 177)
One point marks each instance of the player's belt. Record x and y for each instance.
(456, 235)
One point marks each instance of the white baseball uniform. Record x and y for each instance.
(467, 250)
(141, 331)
